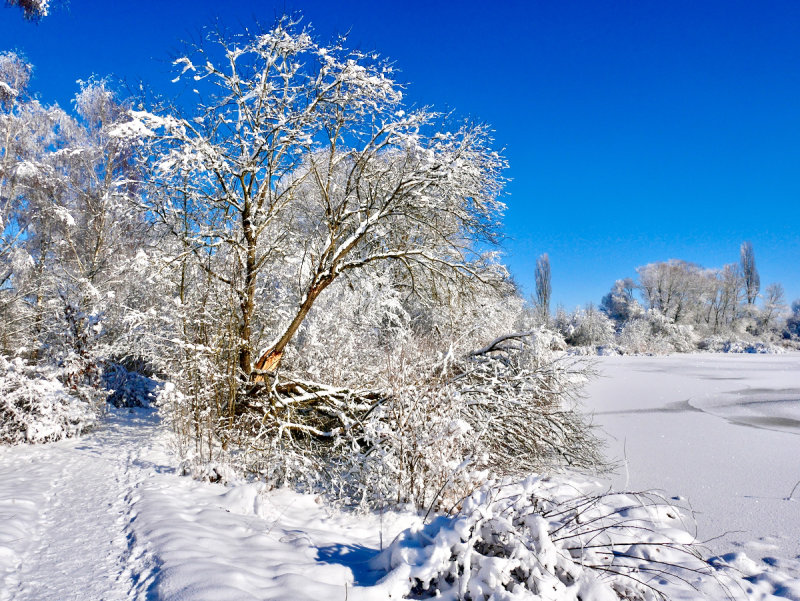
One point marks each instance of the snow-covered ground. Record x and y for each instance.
(722, 431)
(106, 516)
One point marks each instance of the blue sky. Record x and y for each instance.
(636, 130)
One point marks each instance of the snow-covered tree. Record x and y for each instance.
(543, 287)
(620, 304)
(774, 306)
(723, 296)
(33, 10)
(750, 277)
(30, 188)
(792, 328)
(71, 230)
(672, 287)
(302, 165)
(329, 257)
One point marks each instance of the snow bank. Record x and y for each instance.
(241, 542)
(543, 539)
(560, 539)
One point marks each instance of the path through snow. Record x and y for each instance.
(70, 503)
(104, 517)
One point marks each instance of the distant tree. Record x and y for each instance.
(773, 306)
(751, 280)
(673, 288)
(619, 304)
(33, 10)
(722, 296)
(543, 287)
(792, 329)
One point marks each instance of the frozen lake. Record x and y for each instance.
(722, 432)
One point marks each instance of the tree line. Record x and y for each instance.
(680, 306)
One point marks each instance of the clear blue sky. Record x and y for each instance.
(636, 130)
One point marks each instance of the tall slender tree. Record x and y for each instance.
(752, 282)
(543, 287)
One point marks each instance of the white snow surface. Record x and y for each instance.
(107, 516)
(719, 431)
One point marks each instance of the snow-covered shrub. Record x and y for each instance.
(35, 406)
(418, 446)
(588, 327)
(668, 336)
(445, 426)
(636, 337)
(544, 539)
(646, 334)
(791, 330)
(431, 428)
(737, 344)
(129, 388)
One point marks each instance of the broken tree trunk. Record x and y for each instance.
(269, 361)
(289, 407)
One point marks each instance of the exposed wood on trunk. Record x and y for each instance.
(270, 360)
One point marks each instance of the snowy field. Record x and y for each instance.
(106, 517)
(722, 431)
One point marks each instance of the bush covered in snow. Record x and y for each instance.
(443, 428)
(546, 539)
(729, 344)
(585, 327)
(429, 431)
(129, 388)
(36, 407)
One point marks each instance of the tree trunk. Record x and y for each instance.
(248, 297)
(271, 359)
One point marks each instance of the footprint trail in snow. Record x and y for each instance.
(68, 504)
(104, 518)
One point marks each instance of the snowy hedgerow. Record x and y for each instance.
(36, 407)
(545, 539)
